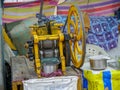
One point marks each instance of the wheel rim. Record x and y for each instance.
(75, 26)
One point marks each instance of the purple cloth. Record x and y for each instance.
(103, 32)
(56, 73)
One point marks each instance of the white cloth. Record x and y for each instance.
(53, 83)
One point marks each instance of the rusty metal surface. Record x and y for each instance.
(22, 68)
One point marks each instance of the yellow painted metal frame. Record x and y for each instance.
(8, 40)
(16, 84)
(60, 38)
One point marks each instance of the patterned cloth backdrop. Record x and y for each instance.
(21, 11)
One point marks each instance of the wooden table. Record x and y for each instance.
(23, 69)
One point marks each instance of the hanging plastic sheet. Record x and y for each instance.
(104, 80)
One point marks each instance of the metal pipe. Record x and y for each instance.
(41, 6)
(2, 64)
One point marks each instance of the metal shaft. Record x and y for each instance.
(41, 6)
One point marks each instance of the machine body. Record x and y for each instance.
(49, 45)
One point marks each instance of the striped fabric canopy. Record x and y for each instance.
(93, 7)
(20, 11)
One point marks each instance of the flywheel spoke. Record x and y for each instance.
(73, 24)
(79, 49)
(75, 49)
(76, 20)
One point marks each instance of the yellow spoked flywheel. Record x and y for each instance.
(76, 29)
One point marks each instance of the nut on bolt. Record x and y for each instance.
(26, 45)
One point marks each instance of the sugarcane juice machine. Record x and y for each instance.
(49, 44)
